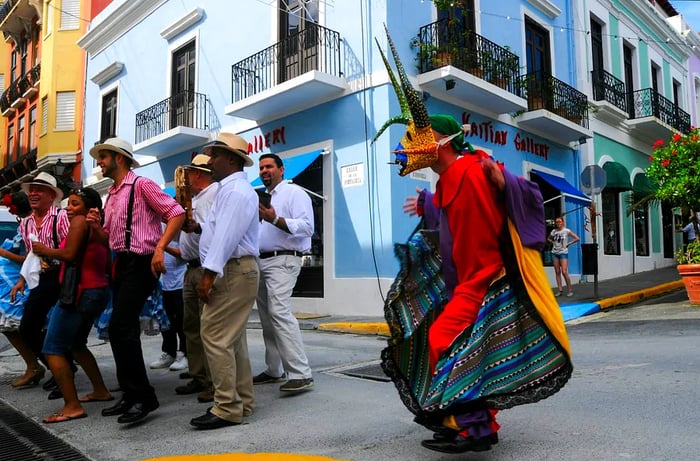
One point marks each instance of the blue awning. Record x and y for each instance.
(567, 190)
(293, 166)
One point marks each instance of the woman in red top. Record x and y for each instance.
(69, 328)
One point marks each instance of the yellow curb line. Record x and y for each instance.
(371, 328)
(382, 329)
(639, 295)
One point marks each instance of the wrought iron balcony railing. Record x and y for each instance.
(448, 42)
(550, 93)
(649, 103)
(607, 87)
(5, 9)
(313, 48)
(16, 169)
(19, 87)
(186, 108)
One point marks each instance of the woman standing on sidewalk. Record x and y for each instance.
(559, 237)
(69, 327)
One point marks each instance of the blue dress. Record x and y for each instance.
(11, 312)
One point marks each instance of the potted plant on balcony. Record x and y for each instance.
(430, 56)
(675, 171)
(505, 69)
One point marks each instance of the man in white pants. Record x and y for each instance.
(285, 234)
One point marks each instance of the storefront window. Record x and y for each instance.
(611, 222)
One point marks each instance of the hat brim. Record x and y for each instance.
(247, 161)
(57, 191)
(199, 168)
(95, 151)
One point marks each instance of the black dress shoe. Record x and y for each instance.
(55, 394)
(447, 434)
(211, 421)
(460, 444)
(50, 384)
(137, 412)
(119, 408)
(192, 387)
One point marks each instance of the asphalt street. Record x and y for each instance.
(632, 396)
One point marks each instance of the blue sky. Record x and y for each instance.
(690, 11)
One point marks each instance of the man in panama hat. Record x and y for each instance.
(203, 189)
(135, 208)
(228, 249)
(48, 225)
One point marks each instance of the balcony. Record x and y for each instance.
(18, 170)
(302, 71)
(556, 110)
(20, 91)
(15, 15)
(176, 124)
(656, 117)
(458, 63)
(609, 95)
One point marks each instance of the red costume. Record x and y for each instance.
(475, 218)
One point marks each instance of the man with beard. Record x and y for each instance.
(285, 234)
(135, 208)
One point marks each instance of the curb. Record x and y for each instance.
(370, 328)
(639, 295)
(382, 329)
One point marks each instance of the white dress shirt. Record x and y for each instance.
(201, 204)
(293, 204)
(232, 227)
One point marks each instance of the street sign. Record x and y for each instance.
(593, 180)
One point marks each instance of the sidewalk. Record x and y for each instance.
(610, 293)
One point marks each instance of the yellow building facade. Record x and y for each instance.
(42, 78)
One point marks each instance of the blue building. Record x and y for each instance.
(304, 79)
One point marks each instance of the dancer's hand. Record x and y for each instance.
(410, 206)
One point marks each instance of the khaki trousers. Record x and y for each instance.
(223, 332)
(197, 361)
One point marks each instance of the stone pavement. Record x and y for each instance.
(587, 299)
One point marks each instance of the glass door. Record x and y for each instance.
(182, 87)
(299, 47)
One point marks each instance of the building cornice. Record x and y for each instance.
(116, 24)
(651, 17)
(546, 7)
(182, 24)
(108, 73)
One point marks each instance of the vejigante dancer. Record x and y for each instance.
(474, 325)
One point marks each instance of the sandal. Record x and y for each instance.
(59, 417)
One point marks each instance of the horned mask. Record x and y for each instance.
(418, 147)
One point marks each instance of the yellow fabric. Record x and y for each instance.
(244, 457)
(451, 422)
(530, 265)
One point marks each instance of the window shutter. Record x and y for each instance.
(44, 115)
(70, 14)
(2, 83)
(65, 110)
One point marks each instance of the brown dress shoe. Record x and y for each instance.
(206, 396)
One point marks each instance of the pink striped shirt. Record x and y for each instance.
(151, 207)
(45, 234)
